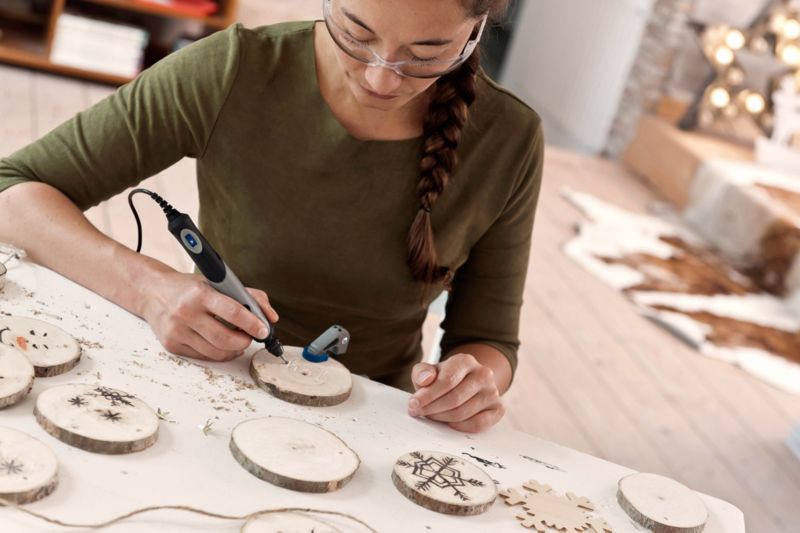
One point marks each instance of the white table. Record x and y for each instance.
(187, 467)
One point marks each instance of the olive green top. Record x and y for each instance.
(300, 208)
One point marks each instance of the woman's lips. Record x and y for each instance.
(378, 95)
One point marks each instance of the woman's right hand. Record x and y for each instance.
(182, 309)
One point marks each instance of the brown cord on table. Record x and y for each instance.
(181, 508)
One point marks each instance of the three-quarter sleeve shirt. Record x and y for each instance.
(300, 208)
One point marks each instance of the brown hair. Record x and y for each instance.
(447, 114)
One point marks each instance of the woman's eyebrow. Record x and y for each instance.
(426, 42)
(357, 20)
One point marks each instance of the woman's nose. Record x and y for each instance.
(382, 80)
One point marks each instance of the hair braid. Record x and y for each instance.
(442, 127)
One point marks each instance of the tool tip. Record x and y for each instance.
(284, 360)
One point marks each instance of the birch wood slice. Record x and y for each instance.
(444, 483)
(301, 382)
(96, 418)
(52, 350)
(16, 376)
(286, 523)
(2, 276)
(293, 454)
(661, 504)
(28, 469)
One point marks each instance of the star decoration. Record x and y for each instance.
(77, 401)
(111, 415)
(746, 65)
(11, 467)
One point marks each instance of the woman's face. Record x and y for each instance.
(398, 30)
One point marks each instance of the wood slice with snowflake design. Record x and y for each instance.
(301, 382)
(28, 468)
(286, 523)
(52, 350)
(96, 418)
(293, 454)
(16, 376)
(443, 483)
(661, 504)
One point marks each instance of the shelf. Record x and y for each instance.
(29, 49)
(22, 45)
(214, 21)
(27, 38)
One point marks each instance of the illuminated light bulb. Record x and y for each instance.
(735, 76)
(791, 29)
(777, 22)
(735, 40)
(791, 54)
(719, 97)
(724, 55)
(755, 103)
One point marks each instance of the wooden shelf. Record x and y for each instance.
(27, 43)
(214, 21)
(22, 44)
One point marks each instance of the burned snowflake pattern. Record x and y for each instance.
(11, 467)
(442, 473)
(77, 401)
(546, 511)
(115, 398)
(112, 416)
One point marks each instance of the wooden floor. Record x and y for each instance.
(593, 374)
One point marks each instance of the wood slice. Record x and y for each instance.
(96, 418)
(661, 504)
(28, 469)
(52, 350)
(301, 382)
(293, 454)
(16, 376)
(443, 483)
(286, 523)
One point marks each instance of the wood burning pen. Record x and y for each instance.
(209, 262)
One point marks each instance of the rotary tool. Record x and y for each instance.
(209, 262)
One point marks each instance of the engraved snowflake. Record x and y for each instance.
(546, 510)
(11, 467)
(115, 398)
(111, 415)
(77, 401)
(442, 473)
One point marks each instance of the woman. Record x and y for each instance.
(354, 168)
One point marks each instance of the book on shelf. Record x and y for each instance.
(99, 45)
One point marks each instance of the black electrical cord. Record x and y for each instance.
(170, 211)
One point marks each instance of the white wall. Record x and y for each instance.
(569, 59)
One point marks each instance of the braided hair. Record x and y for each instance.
(447, 114)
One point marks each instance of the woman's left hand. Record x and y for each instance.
(459, 391)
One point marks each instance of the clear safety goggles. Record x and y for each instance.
(415, 68)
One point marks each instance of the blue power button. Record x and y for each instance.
(191, 241)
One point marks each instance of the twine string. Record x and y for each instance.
(185, 508)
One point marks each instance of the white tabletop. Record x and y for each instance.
(187, 467)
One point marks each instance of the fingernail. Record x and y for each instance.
(423, 376)
(413, 405)
(263, 331)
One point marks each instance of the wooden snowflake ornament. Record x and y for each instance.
(546, 511)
